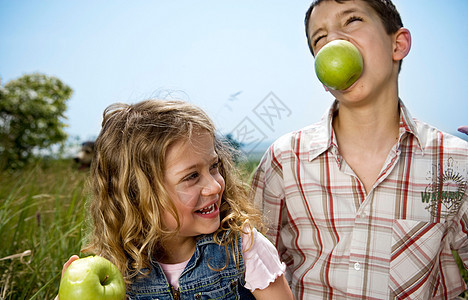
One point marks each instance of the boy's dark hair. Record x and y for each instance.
(385, 9)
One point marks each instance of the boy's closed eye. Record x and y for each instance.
(348, 21)
(352, 19)
(318, 39)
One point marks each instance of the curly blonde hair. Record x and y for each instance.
(128, 194)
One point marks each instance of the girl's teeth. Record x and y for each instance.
(207, 210)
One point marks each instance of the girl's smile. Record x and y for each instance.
(211, 211)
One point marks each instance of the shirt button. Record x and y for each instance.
(357, 266)
(363, 215)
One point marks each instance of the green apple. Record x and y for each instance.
(338, 64)
(92, 277)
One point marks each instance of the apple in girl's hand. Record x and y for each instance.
(92, 277)
(338, 64)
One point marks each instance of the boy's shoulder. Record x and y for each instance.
(429, 136)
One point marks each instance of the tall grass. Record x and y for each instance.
(42, 210)
(41, 213)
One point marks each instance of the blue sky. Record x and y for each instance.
(235, 59)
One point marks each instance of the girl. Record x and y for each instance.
(170, 213)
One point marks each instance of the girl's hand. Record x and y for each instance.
(66, 265)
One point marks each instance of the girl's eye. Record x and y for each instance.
(215, 166)
(192, 176)
(352, 19)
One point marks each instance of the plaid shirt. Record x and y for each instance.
(394, 242)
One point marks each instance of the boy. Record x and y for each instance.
(367, 203)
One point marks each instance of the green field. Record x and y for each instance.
(41, 220)
(41, 214)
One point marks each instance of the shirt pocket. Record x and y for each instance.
(414, 258)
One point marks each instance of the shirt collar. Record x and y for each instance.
(408, 125)
(324, 137)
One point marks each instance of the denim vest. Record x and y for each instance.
(198, 280)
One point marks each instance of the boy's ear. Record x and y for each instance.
(402, 44)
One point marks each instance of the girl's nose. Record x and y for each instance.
(212, 185)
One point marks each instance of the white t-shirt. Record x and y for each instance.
(261, 260)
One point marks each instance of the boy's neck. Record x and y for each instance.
(365, 136)
(368, 124)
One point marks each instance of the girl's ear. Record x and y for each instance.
(402, 44)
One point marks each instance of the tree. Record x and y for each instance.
(32, 117)
(234, 145)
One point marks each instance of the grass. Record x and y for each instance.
(41, 217)
(41, 213)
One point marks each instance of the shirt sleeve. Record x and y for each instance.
(261, 260)
(268, 194)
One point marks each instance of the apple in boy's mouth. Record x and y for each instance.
(209, 211)
(338, 64)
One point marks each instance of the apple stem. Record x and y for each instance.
(105, 279)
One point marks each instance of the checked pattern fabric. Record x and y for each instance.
(394, 242)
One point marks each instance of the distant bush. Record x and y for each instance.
(32, 117)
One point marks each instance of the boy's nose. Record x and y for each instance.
(334, 35)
